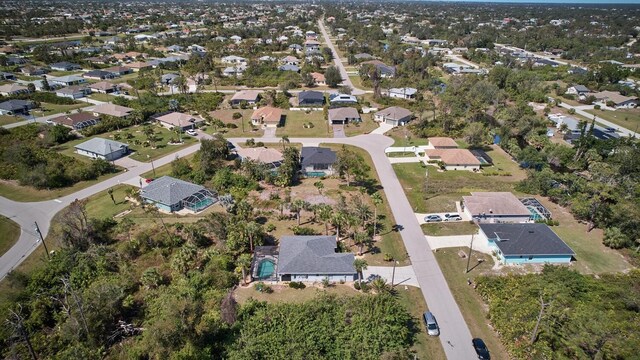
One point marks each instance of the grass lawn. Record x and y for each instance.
(10, 233)
(100, 205)
(50, 109)
(426, 347)
(404, 137)
(390, 242)
(629, 119)
(165, 169)
(8, 119)
(102, 97)
(366, 126)
(357, 82)
(226, 116)
(470, 303)
(294, 122)
(144, 154)
(15, 192)
(450, 228)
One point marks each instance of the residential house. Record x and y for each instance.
(406, 93)
(313, 259)
(310, 98)
(138, 65)
(7, 76)
(296, 47)
(170, 194)
(573, 129)
(317, 161)
(288, 67)
(99, 148)
(111, 110)
(77, 121)
(119, 70)
(616, 100)
(99, 75)
(318, 78)
(526, 244)
(580, 91)
(269, 156)
(180, 120)
(236, 70)
(394, 115)
(16, 107)
(454, 159)
(249, 96)
(342, 99)
(442, 143)
(65, 66)
(67, 80)
(343, 115)
(291, 60)
(232, 59)
(363, 57)
(385, 70)
(31, 70)
(495, 207)
(13, 89)
(73, 92)
(267, 116)
(104, 87)
(311, 46)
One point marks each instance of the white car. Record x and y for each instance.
(191, 132)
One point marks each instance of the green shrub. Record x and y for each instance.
(263, 288)
(303, 230)
(297, 285)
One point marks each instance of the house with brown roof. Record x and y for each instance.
(267, 116)
(104, 87)
(394, 115)
(250, 96)
(119, 70)
(495, 207)
(138, 65)
(77, 121)
(616, 99)
(111, 110)
(343, 115)
(454, 159)
(178, 120)
(13, 89)
(442, 143)
(264, 155)
(318, 78)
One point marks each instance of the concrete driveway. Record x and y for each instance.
(338, 131)
(441, 242)
(421, 217)
(269, 133)
(404, 275)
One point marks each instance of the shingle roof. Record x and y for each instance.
(248, 95)
(526, 239)
(311, 95)
(496, 203)
(264, 155)
(168, 191)
(267, 114)
(311, 155)
(343, 113)
(394, 113)
(100, 146)
(15, 104)
(453, 156)
(313, 255)
(74, 119)
(442, 142)
(111, 109)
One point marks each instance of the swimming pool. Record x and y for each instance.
(266, 269)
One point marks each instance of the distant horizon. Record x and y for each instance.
(550, 2)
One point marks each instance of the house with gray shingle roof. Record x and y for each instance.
(170, 194)
(317, 161)
(99, 148)
(313, 258)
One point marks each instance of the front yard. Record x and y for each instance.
(10, 233)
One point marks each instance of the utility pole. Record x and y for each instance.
(470, 250)
(152, 167)
(393, 274)
(535, 329)
(42, 239)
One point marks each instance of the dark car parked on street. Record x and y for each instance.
(481, 349)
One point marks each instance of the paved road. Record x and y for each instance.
(42, 119)
(462, 60)
(337, 61)
(579, 110)
(455, 335)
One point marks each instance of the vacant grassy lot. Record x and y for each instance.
(295, 121)
(629, 119)
(100, 205)
(226, 116)
(8, 119)
(135, 137)
(470, 303)
(357, 82)
(50, 109)
(404, 137)
(9, 234)
(102, 97)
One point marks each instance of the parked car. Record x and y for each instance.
(431, 323)
(481, 349)
(191, 132)
(50, 122)
(432, 218)
(452, 217)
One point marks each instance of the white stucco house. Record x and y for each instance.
(99, 148)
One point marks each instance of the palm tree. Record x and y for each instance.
(380, 285)
(284, 140)
(253, 231)
(319, 185)
(338, 219)
(361, 239)
(297, 206)
(324, 213)
(376, 198)
(360, 265)
(244, 263)
(362, 210)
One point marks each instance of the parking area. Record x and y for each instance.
(451, 217)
